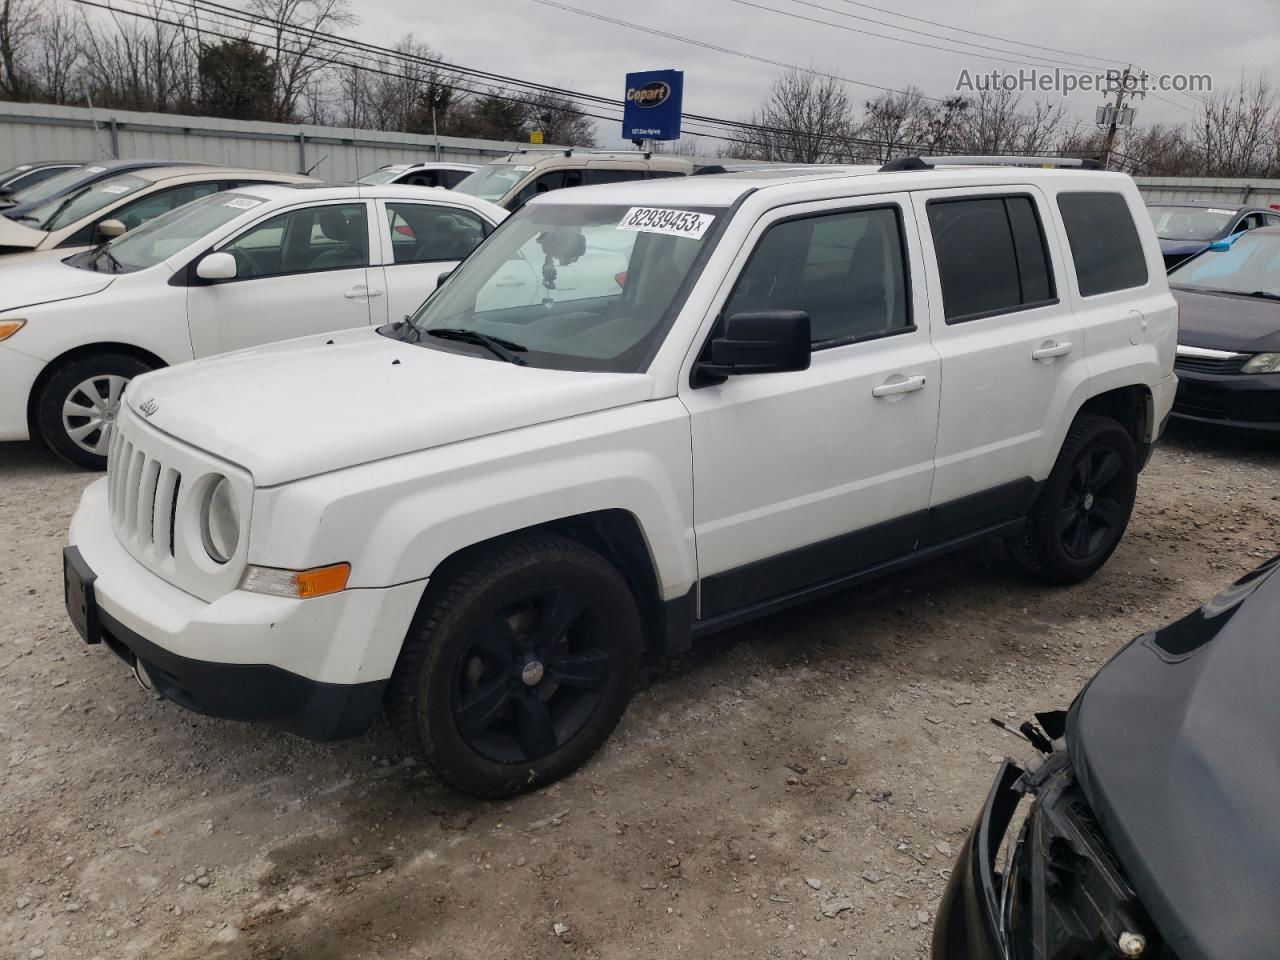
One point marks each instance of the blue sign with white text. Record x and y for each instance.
(651, 110)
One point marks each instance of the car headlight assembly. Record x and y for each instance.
(220, 521)
(1262, 363)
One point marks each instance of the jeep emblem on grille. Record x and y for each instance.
(148, 407)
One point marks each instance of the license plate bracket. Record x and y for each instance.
(78, 593)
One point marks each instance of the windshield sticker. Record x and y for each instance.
(117, 188)
(1219, 210)
(242, 203)
(522, 169)
(96, 169)
(675, 223)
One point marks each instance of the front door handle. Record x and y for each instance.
(1050, 349)
(358, 292)
(892, 388)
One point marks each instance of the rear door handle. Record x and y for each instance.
(1050, 350)
(892, 388)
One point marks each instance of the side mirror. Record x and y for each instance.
(773, 341)
(111, 228)
(442, 278)
(217, 266)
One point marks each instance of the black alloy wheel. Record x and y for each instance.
(1094, 512)
(531, 676)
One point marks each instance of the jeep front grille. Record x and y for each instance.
(143, 493)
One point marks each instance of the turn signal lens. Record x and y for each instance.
(296, 584)
(9, 327)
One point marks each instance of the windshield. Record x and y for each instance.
(55, 186)
(1190, 223)
(493, 181)
(571, 286)
(382, 175)
(1252, 265)
(162, 237)
(63, 211)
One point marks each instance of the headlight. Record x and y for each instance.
(220, 522)
(1263, 363)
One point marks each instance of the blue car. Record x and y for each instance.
(1188, 226)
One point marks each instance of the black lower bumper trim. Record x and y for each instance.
(256, 693)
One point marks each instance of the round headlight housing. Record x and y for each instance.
(220, 521)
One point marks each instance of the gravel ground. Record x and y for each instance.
(794, 788)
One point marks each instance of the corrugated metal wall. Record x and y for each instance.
(1257, 193)
(30, 131)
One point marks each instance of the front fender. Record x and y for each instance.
(396, 520)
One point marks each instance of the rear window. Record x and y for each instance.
(991, 256)
(1104, 242)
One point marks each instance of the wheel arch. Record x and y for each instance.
(617, 535)
(1133, 407)
(75, 353)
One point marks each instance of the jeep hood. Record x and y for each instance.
(1176, 743)
(308, 406)
(34, 278)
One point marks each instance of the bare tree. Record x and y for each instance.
(1235, 132)
(895, 123)
(299, 51)
(58, 62)
(806, 118)
(559, 119)
(19, 21)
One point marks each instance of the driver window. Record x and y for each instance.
(313, 239)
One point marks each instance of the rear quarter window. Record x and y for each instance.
(1104, 242)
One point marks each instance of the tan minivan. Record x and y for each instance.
(522, 175)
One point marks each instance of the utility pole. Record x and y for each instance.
(1116, 115)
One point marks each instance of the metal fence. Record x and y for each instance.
(35, 131)
(1228, 192)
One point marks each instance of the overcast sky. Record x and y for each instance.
(525, 39)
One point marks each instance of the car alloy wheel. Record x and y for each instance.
(89, 412)
(531, 676)
(1093, 512)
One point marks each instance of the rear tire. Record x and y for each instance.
(1082, 512)
(77, 406)
(519, 668)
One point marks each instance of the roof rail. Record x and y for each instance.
(928, 163)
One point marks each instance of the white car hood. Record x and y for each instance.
(15, 234)
(29, 279)
(305, 407)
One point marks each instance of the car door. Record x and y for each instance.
(808, 476)
(1012, 351)
(420, 241)
(302, 271)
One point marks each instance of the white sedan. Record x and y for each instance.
(228, 271)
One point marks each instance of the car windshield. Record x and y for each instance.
(162, 237)
(493, 181)
(1250, 266)
(570, 286)
(55, 186)
(60, 212)
(1190, 223)
(382, 175)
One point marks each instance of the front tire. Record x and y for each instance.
(520, 667)
(1084, 508)
(78, 404)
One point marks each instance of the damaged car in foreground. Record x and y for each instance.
(1151, 829)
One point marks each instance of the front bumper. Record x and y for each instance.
(317, 667)
(1237, 400)
(1062, 896)
(18, 373)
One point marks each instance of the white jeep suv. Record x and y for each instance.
(724, 395)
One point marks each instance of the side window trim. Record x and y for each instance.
(819, 345)
(1051, 301)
